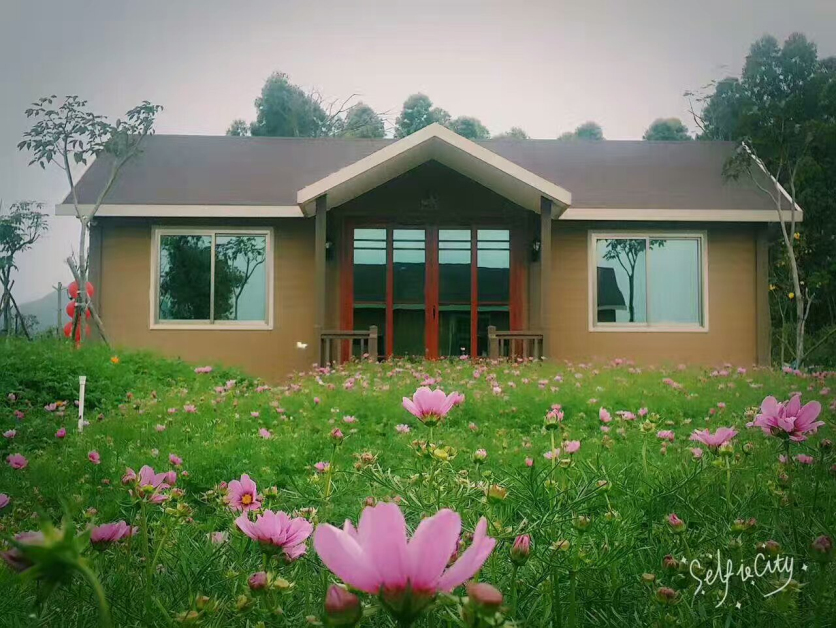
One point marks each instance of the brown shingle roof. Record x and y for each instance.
(221, 170)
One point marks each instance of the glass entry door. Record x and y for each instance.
(431, 291)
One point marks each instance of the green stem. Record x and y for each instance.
(514, 590)
(644, 452)
(728, 481)
(104, 607)
(573, 589)
(557, 611)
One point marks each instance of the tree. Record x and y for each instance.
(586, 131)
(417, 113)
(470, 127)
(627, 252)
(514, 133)
(238, 128)
(242, 256)
(70, 135)
(667, 129)
(285, 110)
(362, 121)
(782, 111)
(20, 227)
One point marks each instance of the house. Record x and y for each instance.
(276, 253)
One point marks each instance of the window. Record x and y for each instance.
(648, 282)
(212, 278)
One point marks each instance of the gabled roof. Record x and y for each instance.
(182, 175)
(435, 143)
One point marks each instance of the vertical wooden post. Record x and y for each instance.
(763, 318)
(373, 343)
(545, 271)
(320, 238)
(493, 343)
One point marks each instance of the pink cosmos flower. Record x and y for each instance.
(431, 406)
(9, 434)
(94, 457)
(15, 558)
(552, 454)
(265, 433)
(719, 438)
(189, 408)
(277, 530)
(150, 485)
(350, 419)
(604, 415)
(4, 500)
(529, 462)
(242, 495)
(16, 461)
(571, 446)
(19, 415)
(203, 370)
(788, 419)
(103, 535)
(322, 467)
(61, 433)
(175, 460)
(377, 558)
(218, 538)
(666, 435)
(402, 428)
(804, 459)
(697, 453)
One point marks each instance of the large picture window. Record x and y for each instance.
(212, 278)
(648, 281)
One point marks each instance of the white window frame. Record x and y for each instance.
(595, 326)
(158, 232)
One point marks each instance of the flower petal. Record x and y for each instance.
(431, 547)
(382, 535)
(344, 556)
(471, 561)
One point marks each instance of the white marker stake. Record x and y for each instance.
(82, 380)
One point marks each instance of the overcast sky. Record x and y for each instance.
(546, 66)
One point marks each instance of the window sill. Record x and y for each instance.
(666, 329)
(210, 327)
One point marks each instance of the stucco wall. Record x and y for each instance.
(125, 282)
(731, 335)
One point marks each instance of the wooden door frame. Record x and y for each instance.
(517, 278)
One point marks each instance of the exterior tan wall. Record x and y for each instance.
(731, 335)
(125, 284)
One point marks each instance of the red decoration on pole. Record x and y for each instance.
(72, 290)
(71, 310)
(68, 329)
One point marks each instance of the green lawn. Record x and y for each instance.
(582, 572)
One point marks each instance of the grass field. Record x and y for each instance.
(598, 519)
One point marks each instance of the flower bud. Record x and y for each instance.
(342, 608)
(521, 550)
(581, 522)
(666, 595)
(676, 524)
(670, 563)
(826, 444)
(497, 493)
(649, 578)
(770, 548)
(748, 448)
(258, 581)
(823, 548)
(484, 596)
(479, 456)
(726, 449)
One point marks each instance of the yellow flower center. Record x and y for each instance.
(247, 499)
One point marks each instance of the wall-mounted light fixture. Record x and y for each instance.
(329, 249)
(535, 250)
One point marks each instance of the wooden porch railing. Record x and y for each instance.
(514, 344)
(336, 346)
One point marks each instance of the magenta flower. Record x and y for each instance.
(265, 433)
(175, 459)
(9, 434)
(431, 406)
(789, 419)
(697, 453)
(377, 558)
(402, 428)
(242, 495)
(804, 459)
(666, 435)
(16, 461)
(719, 438)
(103, 535)
(15, 558)
(4, 500)
(571, 446)
(276, 531)
(94, 457)
(676, 524)
(322, 467)
(604, 415)
(150, 485)
(61, 433)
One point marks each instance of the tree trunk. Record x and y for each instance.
(631, 282)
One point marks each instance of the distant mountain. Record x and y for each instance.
(45, 311)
